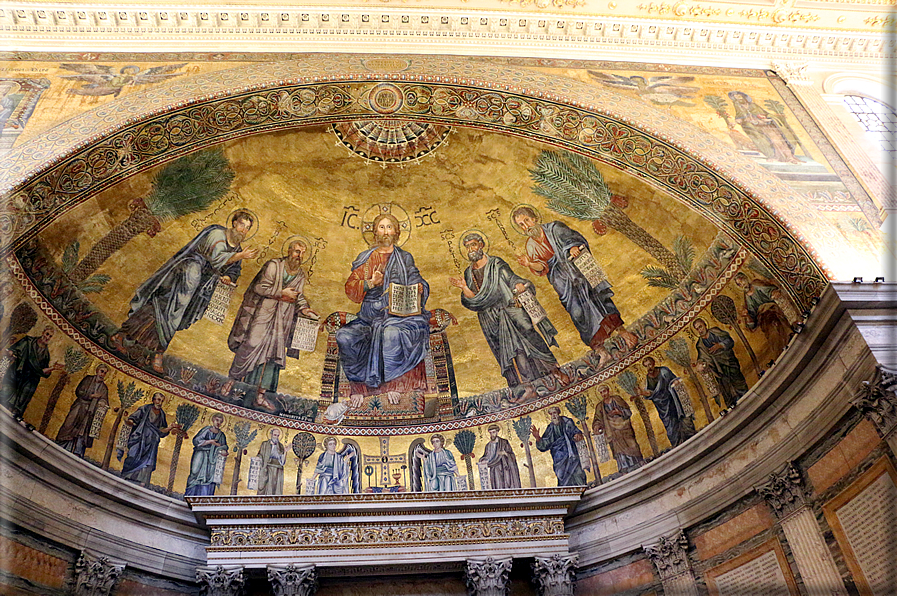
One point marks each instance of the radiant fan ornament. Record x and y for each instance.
(391, 141)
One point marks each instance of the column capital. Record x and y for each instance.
(877, 399)
(669, 555)
(554, 575)
(221, 580)
(293, 580)
(487, 577)
(793, 73)
(95, 576)
(784, 491)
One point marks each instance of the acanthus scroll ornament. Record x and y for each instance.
(793, 73)
(669, 555)
(487, 577)
(95, 576)
(784, 492)
(877, 399)
(554, 575)
(293, 580)
(220, 580)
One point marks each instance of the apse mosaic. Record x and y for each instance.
(395, 305)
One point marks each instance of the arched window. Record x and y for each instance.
(877, 118)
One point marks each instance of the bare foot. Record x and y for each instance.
(157, 363)
(356, 401)
(392, 397)
(628, 336)
(262, 402)
(604, 357)
(117, 342)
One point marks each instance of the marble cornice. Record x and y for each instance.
(413, 29)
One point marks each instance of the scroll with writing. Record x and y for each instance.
(5, 363)
(404, 301)
(305, 337)
(527, 300)
(96, 425)
(485, 478)
(218, 475)
(462, 482)
(682, 392)
(255, 466)
(786, 305)
(310, 486)
(219, 303)
(601, 449)
(123, 435)
(583, 451)
(589, 268)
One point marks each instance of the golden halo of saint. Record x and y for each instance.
(377, 209)
(255, 222)
(285, 249)
(524, 206)
(466, 233)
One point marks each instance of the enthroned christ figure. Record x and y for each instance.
(382, 352)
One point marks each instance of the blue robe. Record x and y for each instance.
(558, 438)
(586, 305)
(378, 347)
(522, 353)
(440, 471)
(679, 427)
(200, 482)
(143, 444)
(332, 475)
(180, 291)
(723, 365)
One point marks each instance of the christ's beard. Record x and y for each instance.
(384, 239)
(534, 232)
(475, 255)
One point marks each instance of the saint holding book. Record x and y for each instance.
(382, 352)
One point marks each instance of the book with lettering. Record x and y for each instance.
(590, 268)
(305, 337)
(527, 300)
(404, 301)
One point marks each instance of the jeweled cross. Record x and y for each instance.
(384, 460)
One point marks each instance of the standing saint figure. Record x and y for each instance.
(148, 427)
(265, 322)
(659, 388)
(178, 293)
(439, 467)
(561, 438)
(332, 472)
(273, 455)
(490, 288)
(761, 310)
(31, 363)
(501, 461)
(381, 352)
(716, 354)
(90, 393)
(208, 444)
(766, 132)
(550, 248)
(612, 417)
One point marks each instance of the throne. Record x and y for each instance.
(438, 402)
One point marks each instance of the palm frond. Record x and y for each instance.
(128, 394)
(186, 415)
(522, 428)
(628, 382)
(75, 359)
(679, 352)
(244, 437)
(658, 277)
(70, 256)
(718, 104)
(571, 183)
(685, 252)
(578, 407)
(464, 440)
(190, 184)
(94, 284)
(774, 106)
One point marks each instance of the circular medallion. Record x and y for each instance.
(386, 99)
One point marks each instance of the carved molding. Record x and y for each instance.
(95, 576)
(784, 491)
(877, 399)
(293, 580)
(555, 575)
(220, 580)
(793, 73)
(487, 577)
(669, 556)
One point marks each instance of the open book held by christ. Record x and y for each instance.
(404, 301)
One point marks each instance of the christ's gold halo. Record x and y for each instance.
(397, 211)
(255, 222)
(514, 223)
(476, 231)
(284, 251)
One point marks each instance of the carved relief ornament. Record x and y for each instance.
(877, 399)
(220, 580)
(793, 73)
(784, 492)
(293, 580)
(554, 575)
(487, 577)
(669, 555)
(95, 576)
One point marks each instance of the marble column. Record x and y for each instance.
(555, 575)
(223, 580)
(785, 494)
(95, 576)
(795, 76)
(487, 577)
(877, 399)
(670, 558)
(293, 580)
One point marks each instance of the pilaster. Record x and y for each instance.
(554, 575)
(487, 577)
(293, 580)
(95, 576)
(877, 399)
(670, 558)
(220, 580)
